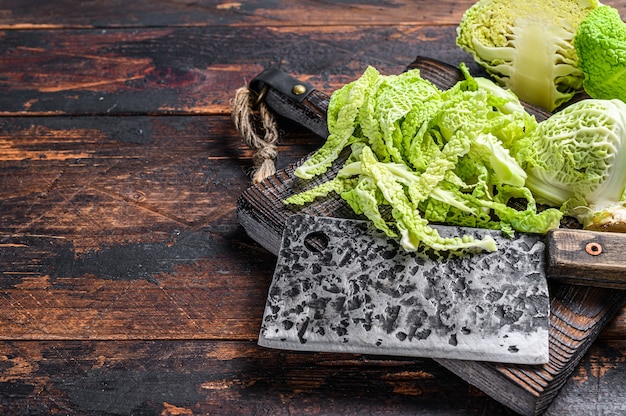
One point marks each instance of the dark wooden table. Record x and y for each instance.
(127, 284)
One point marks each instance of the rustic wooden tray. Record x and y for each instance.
(578, 313)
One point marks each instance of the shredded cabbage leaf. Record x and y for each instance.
(427, 155)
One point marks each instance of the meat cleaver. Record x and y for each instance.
(341, 285)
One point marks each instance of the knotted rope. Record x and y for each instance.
(246, 121)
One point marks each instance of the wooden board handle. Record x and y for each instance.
(587, 258)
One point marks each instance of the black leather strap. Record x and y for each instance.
(284, 83)
(294, 99)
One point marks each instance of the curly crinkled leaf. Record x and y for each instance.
(337, 185)
(577, 159)
(414, 229)
(343, 110)
(365, 198)
(429, 155)
(601, 47)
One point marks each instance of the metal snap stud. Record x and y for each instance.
(298, 89)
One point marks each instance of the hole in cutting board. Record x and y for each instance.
(316, 241)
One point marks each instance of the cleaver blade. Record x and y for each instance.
(343, 286)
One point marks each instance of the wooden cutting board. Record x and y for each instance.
(578, 313)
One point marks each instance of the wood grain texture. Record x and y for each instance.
(597, 385)
(192, 70)
(222, 378)
(29, 14)
(120, 228)
(87, 14)
(239, 378)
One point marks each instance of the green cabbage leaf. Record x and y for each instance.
(420, 155)
(576, 159)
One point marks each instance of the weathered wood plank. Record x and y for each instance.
(121, 228)
(202, 377)
(220, 378)
(192, 70)
(144, 13)
(111, 195)
(616, 329)
(598, 385)
(192, 285)
(86, 14)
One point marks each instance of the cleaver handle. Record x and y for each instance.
(587, 258)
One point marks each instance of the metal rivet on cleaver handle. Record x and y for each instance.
(343, 286)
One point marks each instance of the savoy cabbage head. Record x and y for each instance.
(576, 159)
(528, 46)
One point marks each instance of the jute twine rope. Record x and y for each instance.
(246, 120)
